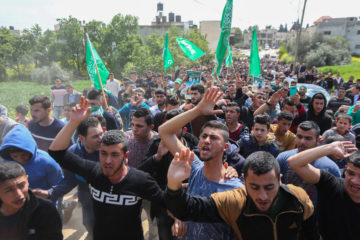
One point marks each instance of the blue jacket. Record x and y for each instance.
(42, 169)
(127, 112)
(249, 145)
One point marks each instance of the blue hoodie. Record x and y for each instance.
(42, 169)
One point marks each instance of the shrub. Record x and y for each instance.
(46, 74)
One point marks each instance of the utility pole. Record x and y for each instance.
(298, 34)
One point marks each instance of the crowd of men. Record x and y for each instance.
(218, 158)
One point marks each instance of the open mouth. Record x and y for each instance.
(354, 189)
(20, 201)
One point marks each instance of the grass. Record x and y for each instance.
(16, 93)
(345, 71)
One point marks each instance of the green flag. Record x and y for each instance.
(225, 26)
(167, 58)
(91, 57)
(228, 60)
(255, 68)
(190, 50)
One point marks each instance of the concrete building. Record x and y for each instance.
(211, 29)
(348, 27)
(270, 37)
(163, 23)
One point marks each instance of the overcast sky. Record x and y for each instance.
(25, 13)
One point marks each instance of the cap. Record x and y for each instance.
(178, 80)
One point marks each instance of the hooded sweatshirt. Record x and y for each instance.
(323, 119)
(42, 170)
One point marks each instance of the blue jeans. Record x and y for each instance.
(57, 111)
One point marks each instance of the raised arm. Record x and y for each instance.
(300, 162)
(274, 99)
(78, 114)
(168, 130)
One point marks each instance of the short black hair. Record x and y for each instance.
(263, 119)
(145, 113)
(334, 138)
(92, 121)
(286, 115)
(260, 163)
(44, 100)
(173, 113)
(355, 159)
(218, 125)
(235, 105)
(309, 125)
(357, 86)
(22, 109)
(289, 101)
(319, 96)
(10, 170)
(198, 87)
(160, 91)
(112, 137)
(94, 94)
(344, 116)
(172, 99)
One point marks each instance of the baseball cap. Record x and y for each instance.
(178, 80)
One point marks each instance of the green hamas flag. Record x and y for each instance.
(167, 58)
(228, 60)
(190, 50)
(225, 26)
(255, 68)
(91, 57)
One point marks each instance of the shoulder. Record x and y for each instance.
(230, 203)
(282, 157)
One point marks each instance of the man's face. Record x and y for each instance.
(195, 97)
(57, 82)
(283, 126)
(231, 115)
(341, 93)
(38, 113)
(138, 97)
(342, 125)
(231, 89)
(318, 105)
(140, 129)
(238, 82)
(211, 144)
(354, 90)
(352, 182)
(21, 157)
(111, 77)
(92, 141)
(262, 189)
(292, 109)
(69, 90)
(259, 99)
(112, 159)
(133, 76)
(13, 193)
(160, 99)
(302, 92)
(305, 139)
(94, 103)
(260, 132)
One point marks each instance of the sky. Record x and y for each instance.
(26, 13)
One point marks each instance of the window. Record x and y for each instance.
(358, 32)
(327, 32)
(357, 46)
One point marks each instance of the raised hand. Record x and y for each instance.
(180, 168)
(275, 98)
(207, 103)
(81, 111)
(342, 149)
(162, 151)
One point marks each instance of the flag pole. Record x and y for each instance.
(97, 71)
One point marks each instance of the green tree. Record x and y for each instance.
(7, 44)
(70, 38)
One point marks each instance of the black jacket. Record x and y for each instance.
(39, 220)
(293, 220)
(323, 119)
